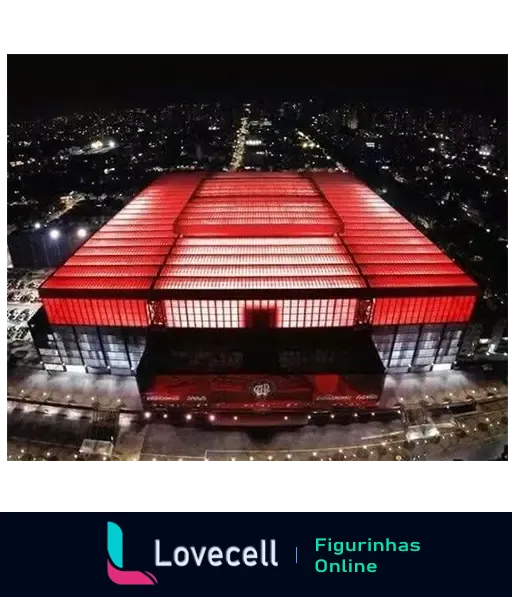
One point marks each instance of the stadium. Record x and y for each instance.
(255, 292)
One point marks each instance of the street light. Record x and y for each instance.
(54, 234)
(81, 233)
(37, 225)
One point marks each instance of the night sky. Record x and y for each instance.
(40, 86)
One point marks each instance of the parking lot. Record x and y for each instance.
(22, 285)
(17, 323)
(22, 303)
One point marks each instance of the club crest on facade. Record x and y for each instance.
(262, 389)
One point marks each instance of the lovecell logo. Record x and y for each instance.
(264, 554)
(115, 570)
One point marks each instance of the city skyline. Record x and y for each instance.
(42, 86)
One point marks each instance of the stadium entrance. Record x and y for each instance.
(259, 371)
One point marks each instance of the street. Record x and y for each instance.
(477, 435)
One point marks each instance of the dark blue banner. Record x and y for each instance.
(257, 554)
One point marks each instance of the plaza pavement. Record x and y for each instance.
(74, 389)
(119, 392)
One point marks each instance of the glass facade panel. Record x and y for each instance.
(284, 313)
(406, 346)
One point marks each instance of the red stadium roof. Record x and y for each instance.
(192, 235)
(257, 207)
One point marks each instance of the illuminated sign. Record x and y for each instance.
(289, 392)
(351, 398)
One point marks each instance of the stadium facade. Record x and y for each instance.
(263, 290)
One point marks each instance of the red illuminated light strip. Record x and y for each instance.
(260, 283)
(260, 228)
(263, 241)
(134, 232)
(248, 174)
(360, 241)
(236, 190)
(393, 258)
(295, 187)
(424, 281)
(259, 202)
(381, 227)
(141, 218)
(254, 271)
(108, 271)
(258, 259)
(359, 236)
(295, 184)
(394, 249)
(86, 283)
(359, 211)
(237, 219)
(258, 250)
(121, 251)
(101, 259)
(410, 269)
(143, 242)
(137, 228)
(246, 210)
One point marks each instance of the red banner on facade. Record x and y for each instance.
(266, 392)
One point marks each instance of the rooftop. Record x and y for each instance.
(243, 232)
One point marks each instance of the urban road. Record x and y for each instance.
(60, 430)
(68, 426)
